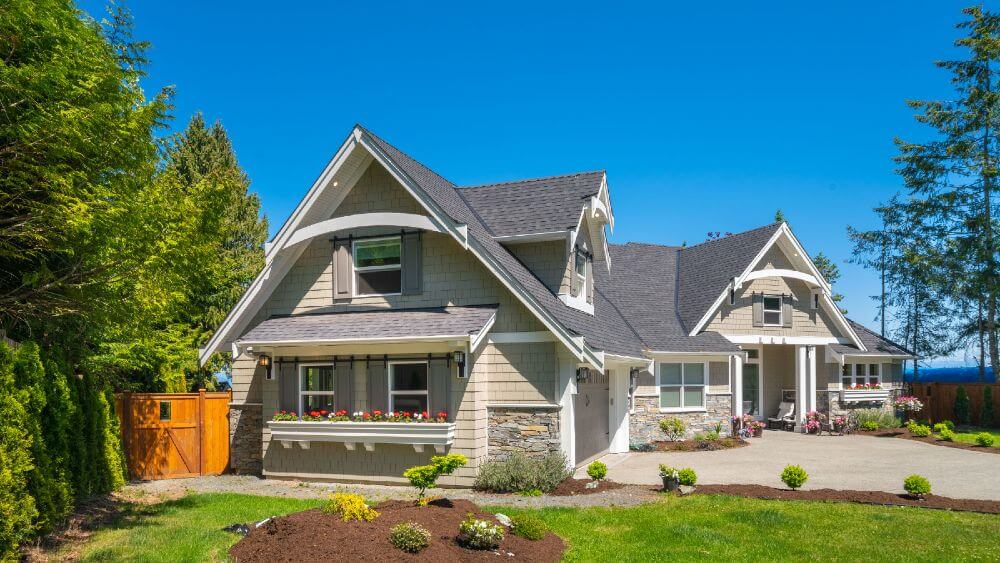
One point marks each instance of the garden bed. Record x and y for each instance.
(864, 497)
(315, 536)
(570, 487)
(698, 445)
(932, 439)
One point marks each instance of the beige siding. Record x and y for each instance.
(248, 379)
(378, 191)
(547, 260)
(738, 319)
(521, 373)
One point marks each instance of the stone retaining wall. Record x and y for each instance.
(644, 423)
(246, 424)
(531, 431)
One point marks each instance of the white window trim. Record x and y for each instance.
(582, 277)
(759, 362)
(764, 310)
(704, 388)
(355, 269)
(854, 375)
(425, 392)
(302, 373)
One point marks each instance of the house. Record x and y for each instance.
(505, 308)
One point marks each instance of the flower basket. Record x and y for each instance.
(758, 431)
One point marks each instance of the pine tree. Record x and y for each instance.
(962, 406)
(986, 410)
(779, 217)
(831, 273)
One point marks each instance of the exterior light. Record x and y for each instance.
(459, 358)
(264, 361)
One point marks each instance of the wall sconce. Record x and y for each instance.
(581, 374)
(459, 358)
(264, 361)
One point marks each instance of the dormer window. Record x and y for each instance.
(580, 272)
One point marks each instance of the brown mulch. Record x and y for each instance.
(699, 445)
(865, 497)
(932, 439)
(570, 487)
(312, 535)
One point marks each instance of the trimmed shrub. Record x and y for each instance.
(522, 473)
(984, 439)
(961, 405)
(687, 476)
(349, 506)
(917, 429)
(940, 427)
(949, 424)
(986, 410)
(479, 534)
(945, 434)
(409, 537)
(528, 527)
(917, 486)
(673, 427)
(597, 470)
(882, 419)
(425, 477)
(869, 425)
(794, 476)
(16, 504)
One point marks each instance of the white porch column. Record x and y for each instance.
(800, 386)
(566, 388)
(811, 369)
(737, 387)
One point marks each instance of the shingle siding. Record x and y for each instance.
(547, 260)
(521, 373)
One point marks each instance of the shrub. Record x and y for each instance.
(410, 537)
(529, 527)
(794, 476)
(479, 534)
(986, 410)
(940, 427)
(709, 436)
(883, 418)
(349, 506)
(673, 427)
(918, 430)
(916, 485)
(521, 473)
(945, 434)
(949, 424)
(984, 439)
(961, 405)
(530, 493)
(687, 476)
(597, 470)
(425, 477)
(869, 425)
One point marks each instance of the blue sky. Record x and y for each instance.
(707, 116)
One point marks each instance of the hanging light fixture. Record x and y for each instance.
(264, 361)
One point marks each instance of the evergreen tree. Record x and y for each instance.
(986, 409)
(779, 217)
(962, 406)
(831, 273)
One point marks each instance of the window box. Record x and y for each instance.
(417, 434)
(859, 395)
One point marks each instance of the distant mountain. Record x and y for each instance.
(963, 374)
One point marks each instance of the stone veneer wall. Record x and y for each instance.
(246, 423)
(531, 431)
(644, 423)
(829, 401)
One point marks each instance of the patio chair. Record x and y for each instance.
(785, 417)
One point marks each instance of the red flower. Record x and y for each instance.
(377, 413)
(424, 414)
(367, 415)
(442, 414)
(323, 413)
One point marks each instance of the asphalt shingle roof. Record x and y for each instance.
(372, 325)
(540, 205)
(873, 342)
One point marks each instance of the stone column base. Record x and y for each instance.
(246, 426)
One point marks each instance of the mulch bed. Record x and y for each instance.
(312, 535)
(864, 497)
(570, 487)
(699, 445)
(906, 435)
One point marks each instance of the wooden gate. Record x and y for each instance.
(169, 435)
(939, 400)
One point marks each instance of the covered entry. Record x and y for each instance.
(590, 412)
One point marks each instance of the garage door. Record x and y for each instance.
(590, 411)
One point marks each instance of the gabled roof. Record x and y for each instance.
(539, 205)
(876, 344)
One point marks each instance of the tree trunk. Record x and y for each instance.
(981, 327)
(988, 243)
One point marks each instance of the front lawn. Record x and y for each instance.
(968, 435)
(696, 527)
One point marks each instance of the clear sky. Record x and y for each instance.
(707, 116)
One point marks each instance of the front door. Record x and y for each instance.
(590, 411)
(751, 390)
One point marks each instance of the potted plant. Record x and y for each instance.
(671, 480)
(756, 428)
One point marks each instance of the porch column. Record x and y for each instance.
(566, 388)
(811, 369)
(801, 382)
(737, 387)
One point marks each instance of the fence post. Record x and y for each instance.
(201, 432)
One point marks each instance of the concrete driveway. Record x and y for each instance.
(833, 462)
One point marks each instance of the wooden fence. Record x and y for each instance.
(169, 435)
(939, 400)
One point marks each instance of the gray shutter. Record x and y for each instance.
(378, 385)
(439, 386)
(590, 281)
(343, 385)
(343, 268)
(786, 311)
(758, 309)
(412, 264)
(288, 386)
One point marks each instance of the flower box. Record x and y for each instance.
(438, 435)
(861, 395)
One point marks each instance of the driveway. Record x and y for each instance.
(833, 462)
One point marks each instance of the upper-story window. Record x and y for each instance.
(377, 269)
(580, 272)
(772, 310)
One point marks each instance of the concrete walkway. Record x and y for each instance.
(833, 462)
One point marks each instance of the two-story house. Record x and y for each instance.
(504, 308)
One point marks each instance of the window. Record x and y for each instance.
(860, 374)
(815, 300)
(377, 266)
(579, 273)
(772, 310)
(753, 354)
(732, 296)
(164, 410)
(408, 387)
(682, 386)
(316, 389)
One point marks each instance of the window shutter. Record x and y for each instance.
(412, 264)
(758, 309)
(343, 268)
(288, 386)
(378, 385)
(343, 385)
(786, 311)
(590, 282)
(439, 386)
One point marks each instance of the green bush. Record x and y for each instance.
(673, 427)
(794, 476)
(882, 418)
(986, 410)
(940, 427)
(16, 504)
(530, 493)
(409, 537)
(917, 486)
(962, 406)
(869, 425)
(425, 477)
(597, 470)
(529, 527)
(918, 430)
(984, 439)
(349, 506)
(687, 476)
(522, 473)
(479, 534)
(949, 424)
(945, 434)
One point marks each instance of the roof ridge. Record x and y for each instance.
(653, 244)
(526, 180)
(397, 149)
(755, 229)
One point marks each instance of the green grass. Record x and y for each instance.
(688, 528)
(968, 435)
